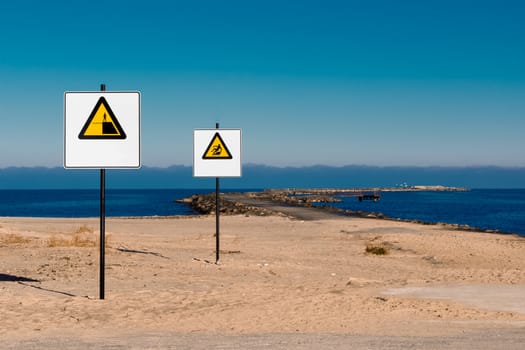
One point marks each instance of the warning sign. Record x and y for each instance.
(217, 153)
(102, 123)
(102, 129)
(217, 149)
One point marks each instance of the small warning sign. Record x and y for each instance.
(102, 123)
(217, 149)
(220, 157)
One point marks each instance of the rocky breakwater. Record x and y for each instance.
(293, 198)
(205, 204)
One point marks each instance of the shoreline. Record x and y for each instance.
(315, 198)
(362, 215)
(246, 203)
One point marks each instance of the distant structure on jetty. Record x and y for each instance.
(368, 197)
(438, 188)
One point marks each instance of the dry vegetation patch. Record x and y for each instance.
(84, 236)
(375, 247)
(376, 250)
(13, 239)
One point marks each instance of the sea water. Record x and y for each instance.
(502, 210)
(86, 203)
(489, 209)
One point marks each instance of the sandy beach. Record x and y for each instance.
(281, 283)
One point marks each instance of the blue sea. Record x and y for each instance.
(86, 203)
(489, 209)
(502, 210)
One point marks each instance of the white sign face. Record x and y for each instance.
(102, 129)
(217, 153)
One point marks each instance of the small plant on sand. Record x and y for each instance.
(376, 250)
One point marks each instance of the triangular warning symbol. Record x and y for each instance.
(217, 149)
(102, 123)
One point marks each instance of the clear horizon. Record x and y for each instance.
(261, 176)
(381, 83)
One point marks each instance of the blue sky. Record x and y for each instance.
(309, 82)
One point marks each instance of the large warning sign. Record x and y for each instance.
(217, 149)
(102, 129)
(217, 153)
(102, 123)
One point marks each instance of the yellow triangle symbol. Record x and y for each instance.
(102, 123)
(217, 149)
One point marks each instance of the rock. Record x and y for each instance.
(205, 204)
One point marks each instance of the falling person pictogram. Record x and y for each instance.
(217, 149)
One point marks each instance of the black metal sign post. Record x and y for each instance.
(102, 224)
(217, 211)
(217, 161)
(101, 136)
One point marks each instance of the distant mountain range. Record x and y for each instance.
(262, 176)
